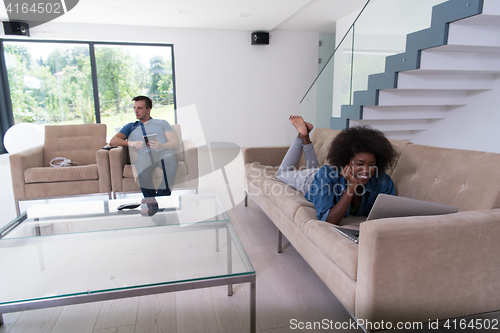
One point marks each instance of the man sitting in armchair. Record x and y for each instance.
(153, 152)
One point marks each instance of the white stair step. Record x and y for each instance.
(404, 112)
(461, 62)
(393, 125)
(448, 71)
(482, 19)
(418, 79)
(467, 48)
(391, 97)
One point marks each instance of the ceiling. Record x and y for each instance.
(250, 15)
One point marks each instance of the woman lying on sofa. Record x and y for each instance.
(358, 158)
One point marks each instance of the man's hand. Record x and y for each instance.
(155, 145)
(136, 144)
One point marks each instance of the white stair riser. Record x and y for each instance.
(418, 80)
(404, 112)
(491, 7)
(480, 62)
(474, 34)
(393, 126)
(401, 136)
(422, 97)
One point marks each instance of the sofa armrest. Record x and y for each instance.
(191, 159)
(429, 267)
(20, 162)
(117, 161)
(102, 158)
(271, 156)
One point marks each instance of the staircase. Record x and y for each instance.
(459, 55)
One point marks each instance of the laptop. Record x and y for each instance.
(393, 206)
(349, 233)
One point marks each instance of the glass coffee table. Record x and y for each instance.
(71, 253)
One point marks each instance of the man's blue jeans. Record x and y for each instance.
(145, 166)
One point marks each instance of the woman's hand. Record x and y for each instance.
(338, 211)
(347, 173)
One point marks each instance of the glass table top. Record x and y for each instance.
(91, 247)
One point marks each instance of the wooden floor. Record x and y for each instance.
(288, 290)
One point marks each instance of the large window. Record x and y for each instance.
(123, 71)
(66, 82)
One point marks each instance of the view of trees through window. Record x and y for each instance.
(52, 82)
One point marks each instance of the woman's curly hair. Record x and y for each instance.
(351, 141)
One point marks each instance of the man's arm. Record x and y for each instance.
(172, 141)
(121, 140)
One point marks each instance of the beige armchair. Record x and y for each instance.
(34, 178)
(123, 174)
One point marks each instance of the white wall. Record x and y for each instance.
(244, 93)
(474, 126)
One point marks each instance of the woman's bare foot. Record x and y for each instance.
(300, 125)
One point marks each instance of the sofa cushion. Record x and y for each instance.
(335, 246)
(129, 170)
(304, 217)
(398, 147)
(463, 178)
(256, 171)
(61, 189)
(346, 257)
(64, 174)
(79, 143)
(283, 196)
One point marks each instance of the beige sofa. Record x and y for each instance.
(33, 178)
(124, 177)
(403, 269)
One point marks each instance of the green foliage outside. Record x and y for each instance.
(360, 65)
(58, 89)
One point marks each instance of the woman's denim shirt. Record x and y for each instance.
(328, 186)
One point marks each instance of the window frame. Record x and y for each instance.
(8, 111)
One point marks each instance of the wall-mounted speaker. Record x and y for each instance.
(16, 28)
(260, 38)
